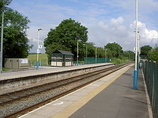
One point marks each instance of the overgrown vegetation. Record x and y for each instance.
(120, 61)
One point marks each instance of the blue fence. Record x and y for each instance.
(92, 60)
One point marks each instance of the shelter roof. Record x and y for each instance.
(63, 52)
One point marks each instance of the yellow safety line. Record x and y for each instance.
(65, 113)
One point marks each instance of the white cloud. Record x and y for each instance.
(151, 34)
(115, 30)
(147, 36)
(102, 25)
(117, 21)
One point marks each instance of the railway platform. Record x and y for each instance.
(45, 70)
(110, 97)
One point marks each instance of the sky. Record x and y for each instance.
(108, 21)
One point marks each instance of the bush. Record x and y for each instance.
(120, 61)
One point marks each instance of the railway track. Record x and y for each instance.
(14, 104)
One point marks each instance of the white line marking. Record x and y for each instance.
(147, 97)
(59, 103)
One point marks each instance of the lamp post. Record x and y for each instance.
(86, 51)
(135, 77)
(38, 51)
(95, 54)
(77, 53)
(1, 58)
(139, 51)
(105, 54)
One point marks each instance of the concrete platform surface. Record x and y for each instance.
(109, 97)
(118, 100)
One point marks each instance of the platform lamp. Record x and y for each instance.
(77, 51)
(105, 53)
(1, 56)
(38, 51)
(138, 51)
(135, 77)
(95, 54)
(86, 51)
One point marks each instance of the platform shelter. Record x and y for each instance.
(62, 58)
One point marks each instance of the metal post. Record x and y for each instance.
(105, 54)
(1, 63)
(38, 45)
(96, 55)
(138, 51)
(77, 52)
(37, 62)
(135, 77)
(86, 51)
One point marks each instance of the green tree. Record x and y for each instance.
(4, 3)
(153, 54)
(90, 49)
(145, 49)
(15, 42)
(101, 52)
(114, 50)
(129, 54)
(108, 53)
(66, 35)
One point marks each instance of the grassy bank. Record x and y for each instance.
(120, 61)
(43, 59)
